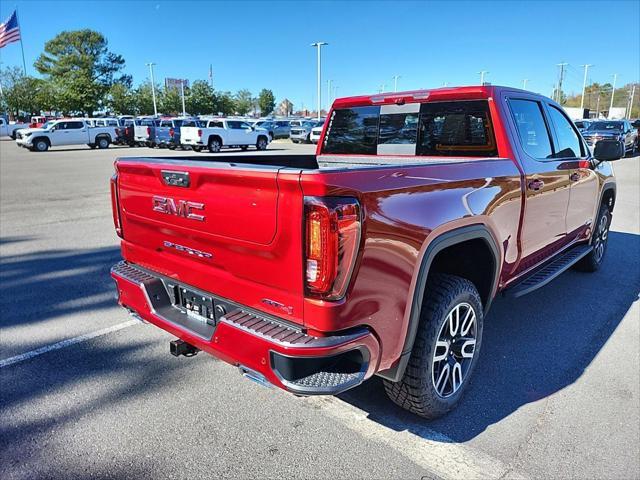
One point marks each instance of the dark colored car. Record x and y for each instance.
(126, 134)
(607, 130)
(582, 125)
(379, 255)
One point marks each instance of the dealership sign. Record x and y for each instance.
(175, 83)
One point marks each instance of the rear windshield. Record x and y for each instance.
(605, 126)
(457, 128)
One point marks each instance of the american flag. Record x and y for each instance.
(9, 31)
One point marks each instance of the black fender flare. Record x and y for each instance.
(605, 188)
(215, 135)
(447, 239)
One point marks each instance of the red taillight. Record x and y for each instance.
(148, 131)
(199, 132)
(115, 205)
(332, 235)
(171, 132)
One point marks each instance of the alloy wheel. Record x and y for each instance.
(601, 235)
(454, 350)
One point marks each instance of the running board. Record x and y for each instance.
(542, 276)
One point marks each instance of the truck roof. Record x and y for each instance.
(420, 96)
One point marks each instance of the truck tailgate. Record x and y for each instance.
(189, 134)
(235, 231)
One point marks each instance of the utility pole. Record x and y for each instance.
(613, 92)
(560, 80)
(482, 73)
(383, 87)
(184, 110)
(395, 82)
(598, 105)
(328, 94)
(524, 83)
(633, 92)
(153, 88)
(319, 45)
(584, 84)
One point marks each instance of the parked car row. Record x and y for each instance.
(594, 131)
(70, 131)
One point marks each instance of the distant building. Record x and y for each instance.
(285, 108)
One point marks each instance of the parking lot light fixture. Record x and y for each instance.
(153, 88)
(319, 45)
(395, 82)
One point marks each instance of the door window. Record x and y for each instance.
(569, 145)
(532, 129)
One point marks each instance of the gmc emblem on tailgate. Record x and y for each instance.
(181, 208)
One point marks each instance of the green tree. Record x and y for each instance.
(243, 102)
(201, 98)
(224, 103)
(266, 101)
(24, 94)
(170, 101)
(82, 69)
(143, 99)
(121, 99)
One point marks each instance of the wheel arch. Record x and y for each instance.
(214, 136)
(608, 195)
(458, 237)
(42, 137)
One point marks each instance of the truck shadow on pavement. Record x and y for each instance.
(533, 347)
(47, 284)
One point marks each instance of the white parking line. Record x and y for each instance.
(65, 343)
(433, 451)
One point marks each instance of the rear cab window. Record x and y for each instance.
(459, 128)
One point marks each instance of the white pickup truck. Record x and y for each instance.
(66, 132)
(9, 129)
(220, 133)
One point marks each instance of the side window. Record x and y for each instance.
(216, 124)
(352, 130)
(569, 145)
(234, 125)
(165, 123)
(460, 128)
(532, 130)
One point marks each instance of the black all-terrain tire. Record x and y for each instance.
(103, 142)
(91, 145)
(416, 391)
(40, 146)
(262, 143)
(196, 149)
(244, 147)
(599, 238)
(215, 145)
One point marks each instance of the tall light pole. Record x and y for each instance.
(584, 84)
(482, 73)
(395, 82)
(184, 110)
(633, 92)
(613, 92)
(524, 83)
(319, 45)
(153, 88)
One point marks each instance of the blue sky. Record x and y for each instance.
(266, 44)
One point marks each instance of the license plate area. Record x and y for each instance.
(196, 306)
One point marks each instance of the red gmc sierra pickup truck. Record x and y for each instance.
(380, 254)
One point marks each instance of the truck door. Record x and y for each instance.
(235, 132)
(71, 133)
(569, 148)
(547, 184)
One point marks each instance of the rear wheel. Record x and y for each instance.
(445, 350)
(91, 145)
(214, 145)
(262, 143)
(196, 149)
(599, 238)
(103, 142)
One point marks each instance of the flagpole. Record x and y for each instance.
(24, 63)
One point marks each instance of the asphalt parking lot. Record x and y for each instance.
(556, 393)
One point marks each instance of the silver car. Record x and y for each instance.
(302, 133)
